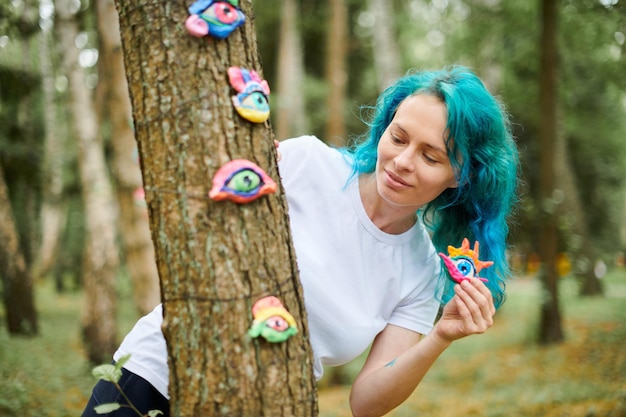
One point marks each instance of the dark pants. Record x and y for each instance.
(139, 391)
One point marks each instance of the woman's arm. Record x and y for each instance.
(397, 363)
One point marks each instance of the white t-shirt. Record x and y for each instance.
(356, 278)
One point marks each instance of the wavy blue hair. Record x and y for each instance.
(483, 155)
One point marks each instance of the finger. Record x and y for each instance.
(480, 316)
(486, 293)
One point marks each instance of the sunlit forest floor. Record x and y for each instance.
(501, 373)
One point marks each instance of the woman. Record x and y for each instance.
(439, 160)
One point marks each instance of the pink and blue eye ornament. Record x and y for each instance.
(272, 321)
(215, 18)
(251, 101)
(463, 263)
(241, 181)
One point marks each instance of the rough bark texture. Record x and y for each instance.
(17, 282)
(100, 256)
(133, 219)
(550, 329)
(214, 258)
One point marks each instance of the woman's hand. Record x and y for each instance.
(470, 311)
(278, 154)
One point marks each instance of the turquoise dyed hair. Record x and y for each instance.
(483, 154)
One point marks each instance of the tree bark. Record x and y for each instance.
(215, 259)
(19, 303)
(550, 329)
(100, 256)
(133, 220)
(336, 75)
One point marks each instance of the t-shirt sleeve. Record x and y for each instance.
(294, 155)
(419, 311)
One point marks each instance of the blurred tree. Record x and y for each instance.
(550, 329)
(290, 114)
(336, 74)
(384, 46)
(17, 281)
(19, 133)
(100, 256)
(133, 217)
(52, 212)
(214, 258)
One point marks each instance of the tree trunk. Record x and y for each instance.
(17, 282)
(52, 210)
(290, 116)
(336, 76)
(578, 237)
(133, 220)
(385, 45)
(100, 256)
(215, 259)
(550, 330)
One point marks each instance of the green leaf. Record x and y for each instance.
(107, 408)
(119, 363)
(154, 413)
(107, 373)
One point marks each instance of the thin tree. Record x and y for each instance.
(385, 45)
(100, 256)
(290, 115)
(17, 282)
(550, 329)
(133, 220)
(336, 74)
(53, 213)
(215, 259)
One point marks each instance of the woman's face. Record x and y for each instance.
(413, 166)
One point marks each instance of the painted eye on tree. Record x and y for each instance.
(222, 12)
(256, 101)
(244, 181)
(241, 181)
(465, 267)
(277, 323)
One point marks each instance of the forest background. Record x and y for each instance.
(323, 60)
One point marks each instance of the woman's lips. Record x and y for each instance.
(395, 181)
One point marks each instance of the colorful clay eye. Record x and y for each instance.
(244, 181)
(272, 321)
(241, 181)
(277, 323)
(215, 18)
(220, 13)
(465, 266)
(252, 101)
(463, 263)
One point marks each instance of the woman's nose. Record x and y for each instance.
(405, 160)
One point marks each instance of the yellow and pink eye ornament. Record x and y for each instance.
(272, 321)
(241, 181)
(463, 263)
(252, 99)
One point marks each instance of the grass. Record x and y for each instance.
(501, 373)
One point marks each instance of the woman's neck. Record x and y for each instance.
(387, 217)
